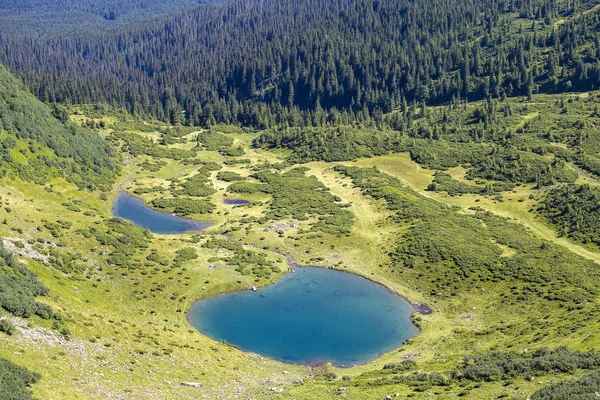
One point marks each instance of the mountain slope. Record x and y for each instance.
(39, 143)
(45, 18)
(269, 63)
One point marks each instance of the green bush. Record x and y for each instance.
(125, 239)
(15, 381)
(7, 327)
(197, 185)
(405, 365)
(19, 287)
(443, 182)
(185, 254)
(295, 195)
(229, 176)
(213, 141)
(586, 388)
(499, 366)
(184, 206)
(574, 211)
(139, 145)
(245, 261)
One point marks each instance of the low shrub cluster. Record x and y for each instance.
(295, 195)
(15, 381)
(138, 145)
(183, 206)
(501, 366)
(575, 212)
(124, 238)
(19, 288)
(245, 261)
(443, 182)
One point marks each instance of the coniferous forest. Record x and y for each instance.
(448, 151)
(315, 62)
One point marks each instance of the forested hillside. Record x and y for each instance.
(448, 150)
(57, 17)
(39, 142)
(499, 143)
(316, 62)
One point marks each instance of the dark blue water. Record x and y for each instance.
(310, 316)
(134, 210)
(235, 202)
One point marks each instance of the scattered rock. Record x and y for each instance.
(27, 249)
(191, 384)
(276, 390)
(410, 356)
(422, 309)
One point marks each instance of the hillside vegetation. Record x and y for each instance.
(575, 212)
(15, 381)
(447, 150)
(50, 18)
(40, 143)
(500, 144)
(508, 303)
(317, 62)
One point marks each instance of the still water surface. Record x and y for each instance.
(312, 315)
(134, 210)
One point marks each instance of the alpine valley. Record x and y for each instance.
(299, 199)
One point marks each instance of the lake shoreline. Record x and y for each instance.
(195, 226)
(293, 267)
(409, 309)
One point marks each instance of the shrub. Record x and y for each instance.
(15, 381)
(7, 327)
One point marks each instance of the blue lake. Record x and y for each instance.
(235, 202)
(310, 316)
(134, 210)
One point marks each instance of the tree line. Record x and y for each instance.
(316, 62)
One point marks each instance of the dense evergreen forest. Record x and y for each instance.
(56, 17)
(316, 62)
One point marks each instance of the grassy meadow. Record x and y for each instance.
(496, 273)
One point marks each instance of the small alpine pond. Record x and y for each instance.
(135, 211)
(311, 316)
(235, 201)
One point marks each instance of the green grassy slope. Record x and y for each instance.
(502, 285)
(39, 143)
